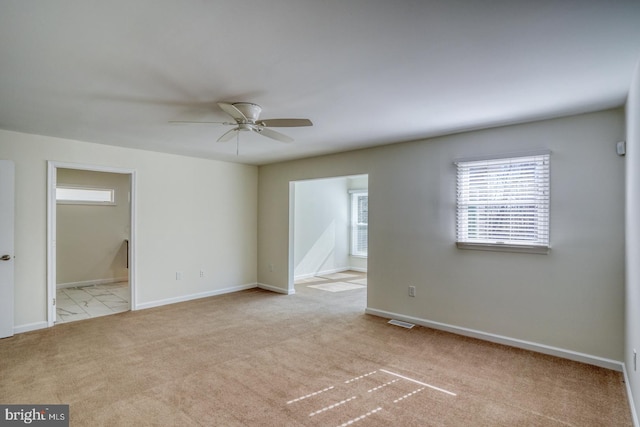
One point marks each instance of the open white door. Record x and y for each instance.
(6, 247)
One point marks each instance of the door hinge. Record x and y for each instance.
(54, 301)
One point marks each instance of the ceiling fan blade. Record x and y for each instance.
(269, 133)
(228, 135)
(232, 111)
(285, 123)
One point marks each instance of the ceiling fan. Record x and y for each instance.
(247, 118)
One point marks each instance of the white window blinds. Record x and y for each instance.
(504, 202)
(359, 223)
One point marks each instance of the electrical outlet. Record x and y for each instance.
(272, 268)
(412, 291)
(178, 275)
(201, 274)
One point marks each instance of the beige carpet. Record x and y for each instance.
(256, 358)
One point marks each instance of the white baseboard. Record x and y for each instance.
(512, 342)
(632, 406)
(42, 325)
(30, 327)
(190, 297)
(276, 289)
(358, 269)
(91, 282)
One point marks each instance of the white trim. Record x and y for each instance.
(52, 167)
(501, 247)
(291, 289)
(527, 153)
(9, 248)
(51, 242)
(512, 342)
(199, 295)
(632, 406)
(91, 282)
(133, 240)
(359, 269)
(276, 289)
(20, 329)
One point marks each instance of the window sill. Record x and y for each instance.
(358, 256)
(543, 250)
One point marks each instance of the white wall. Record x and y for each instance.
(192, 214)
(321, 227)
(90, 239)
(633, 236)
(571, 299)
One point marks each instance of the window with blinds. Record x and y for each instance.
(504, 203)
(359, 223)
(85, 195)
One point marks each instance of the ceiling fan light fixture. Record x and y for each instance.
(249, 110)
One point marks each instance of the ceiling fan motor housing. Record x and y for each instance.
(250, 111)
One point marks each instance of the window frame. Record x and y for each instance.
(80, 201)
(354, 224)
(541, 201)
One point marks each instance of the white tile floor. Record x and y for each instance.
(336, 282)
(336, 286)
(91, 301)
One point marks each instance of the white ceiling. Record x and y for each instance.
(366, 72)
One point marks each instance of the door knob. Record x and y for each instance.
(5, 258)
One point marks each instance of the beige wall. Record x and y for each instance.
(198, 214)
(570, 299)
(633, 239)
(90, 239)
(192, 214)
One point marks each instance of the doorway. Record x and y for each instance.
(7, 216)
(91, 241)
(328, 239)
